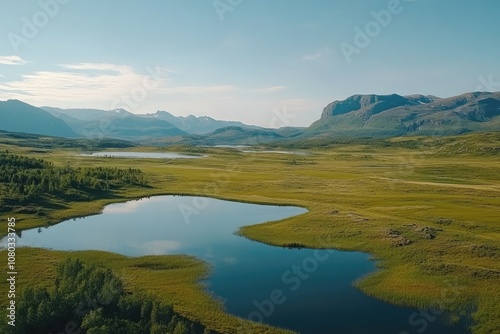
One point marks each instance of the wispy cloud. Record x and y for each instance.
(194, 90)
(95, 67)
(100, 85)
(104, 67)
(98, 82)
(271, 89)
(314, 56)
(92, 66)
(12, 60)
(324, 52)
(95, 83)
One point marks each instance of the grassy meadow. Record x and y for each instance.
(427, 209)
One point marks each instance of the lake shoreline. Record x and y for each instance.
(363, 229)
(218, 291)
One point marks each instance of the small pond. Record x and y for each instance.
(143, 155)
(309, 291)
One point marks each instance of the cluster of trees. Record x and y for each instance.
(46, 142)
(24, 179)
(90, 299)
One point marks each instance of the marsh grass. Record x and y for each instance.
(441, 194)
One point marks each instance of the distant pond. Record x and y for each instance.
(247, 149)
(309, 291)
(143, 155)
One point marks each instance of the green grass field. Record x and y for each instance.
(427, 209)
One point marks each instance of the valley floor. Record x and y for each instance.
(428, 214)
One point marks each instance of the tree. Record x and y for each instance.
(94, 299)
(181, 328)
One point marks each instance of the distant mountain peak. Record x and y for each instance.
(198, 124)
(120, 123)
(163, 112)
(396, 115)
(369, 104)
(120, 111)
(18, 116)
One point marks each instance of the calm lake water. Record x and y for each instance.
(144, 155)
(271, 151)
(245, 149)
(309, 291)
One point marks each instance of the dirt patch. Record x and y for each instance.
(396, 238)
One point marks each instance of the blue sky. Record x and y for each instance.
(247, 60)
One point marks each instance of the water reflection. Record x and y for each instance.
(313, 287)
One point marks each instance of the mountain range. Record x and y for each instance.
(198, 125)
(118, 123)
(17, 116)
(395, 115)
(379, 116)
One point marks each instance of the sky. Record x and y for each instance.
(271, 63)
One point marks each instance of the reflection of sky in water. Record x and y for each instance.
(243, 272)
(128, 207)
(160, 247)
(132, 206)
(158, 225)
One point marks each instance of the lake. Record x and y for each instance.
(246, 149)
(143, 155)
(275, 152)
(309, 291)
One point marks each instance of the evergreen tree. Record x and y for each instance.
(94, 299)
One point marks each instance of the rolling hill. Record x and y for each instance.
(122, 124)
(118, 123)
(17, 116)
(231, 135)
(359, 116)
(198, 125)
(395, 115)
